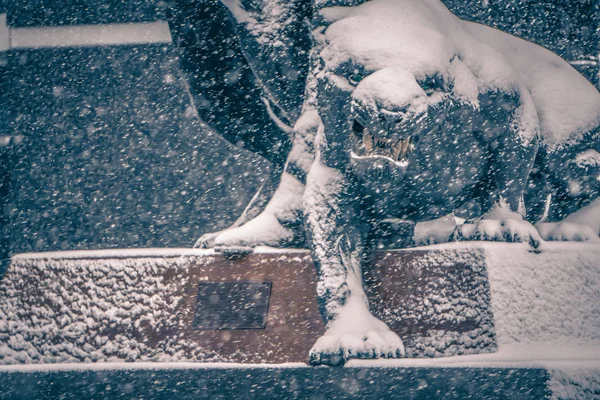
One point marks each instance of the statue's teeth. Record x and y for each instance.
(397, 150)
(401, 149)
(367, 141)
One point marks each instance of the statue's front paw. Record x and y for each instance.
(434, 231)
(505, 230)
(335, 349)
(566, 231)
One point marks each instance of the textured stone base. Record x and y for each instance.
(140, 305)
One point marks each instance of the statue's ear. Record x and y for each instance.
(326, 12)
(328, 15)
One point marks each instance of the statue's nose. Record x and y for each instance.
(390, 122)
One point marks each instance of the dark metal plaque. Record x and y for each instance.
(232, 305)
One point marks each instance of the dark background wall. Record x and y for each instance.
(110, 153)
(106, 152)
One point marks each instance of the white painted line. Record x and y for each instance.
(583, 62)
(83, 35)
(4, 34)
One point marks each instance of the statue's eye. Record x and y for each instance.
(357, 127)
(429, 85)
(355, 78)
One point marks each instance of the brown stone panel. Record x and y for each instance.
(293, 321)
(437, 301)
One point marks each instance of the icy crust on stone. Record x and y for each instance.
(94, 311)
(422, 38)
(441, 304)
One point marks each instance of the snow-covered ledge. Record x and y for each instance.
(150, 252)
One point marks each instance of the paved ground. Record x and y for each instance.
(276, 383)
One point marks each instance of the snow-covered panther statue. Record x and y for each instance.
(419, 117)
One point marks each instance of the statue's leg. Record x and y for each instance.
(337, 239)
(282, 71)
(573, 202)
(224, 94)
(281, 222)
(511, 160)
(218, 38)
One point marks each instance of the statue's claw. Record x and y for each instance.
(331, 360)
(355, 333)
(207, 241)
(506, 230)
(434, 231)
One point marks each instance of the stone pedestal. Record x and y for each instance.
(194, 305)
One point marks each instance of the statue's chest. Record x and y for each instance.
(441, 174)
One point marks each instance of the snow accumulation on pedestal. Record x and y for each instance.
(546, 306)
(79, 302)
(102, 305)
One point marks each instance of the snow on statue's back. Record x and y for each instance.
(567, 104)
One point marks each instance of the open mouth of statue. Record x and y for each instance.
(368, 146)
